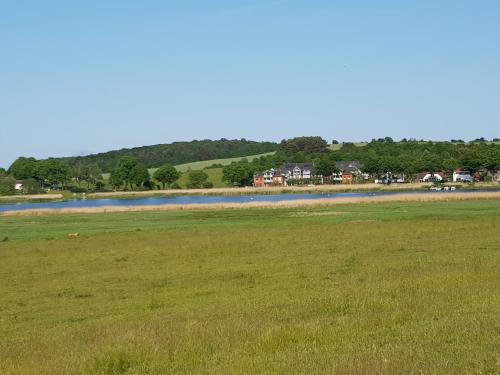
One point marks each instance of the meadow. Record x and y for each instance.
(388, 288)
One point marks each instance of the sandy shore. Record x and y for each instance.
(424, 197)
(31, 197)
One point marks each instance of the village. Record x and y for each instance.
(351, 172)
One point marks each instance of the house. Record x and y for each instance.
(269, 177)
(299, 171)
(258, 180)
(496, 176)
(19, 186)
(347, 177)
(462, 176)
(348, 171)
(353, 167)
(432, 177)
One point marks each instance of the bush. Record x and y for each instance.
(208, 185)
(176, 186)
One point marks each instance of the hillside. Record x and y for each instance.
(177, 153)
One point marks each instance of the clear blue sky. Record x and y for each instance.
(82, 77)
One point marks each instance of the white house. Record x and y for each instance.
(18, 186)
(431, 177)
(462, 176)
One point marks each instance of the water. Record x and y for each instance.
(197, 199)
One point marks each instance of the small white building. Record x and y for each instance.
(18, 186)
(431, 177)
(462, 176)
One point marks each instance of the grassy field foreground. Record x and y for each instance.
(358, 289)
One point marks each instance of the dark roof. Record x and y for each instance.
(348, 166)
(302, 166)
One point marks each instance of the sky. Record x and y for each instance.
(80, 77)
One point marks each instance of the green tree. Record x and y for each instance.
(53, 172)
(3, 172)
(326, 167)
(7, 186)
(307, 145)
(125, 172)
(239, 174)
(166, 175)
(31, 186)
(197, 179)
(450, 164)
(139, 175)
(23, 168)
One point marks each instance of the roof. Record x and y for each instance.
(301, 166)
(348, 166)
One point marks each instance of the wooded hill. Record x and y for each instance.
(176, 153)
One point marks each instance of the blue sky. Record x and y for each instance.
(81, 77)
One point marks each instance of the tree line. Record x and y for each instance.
(129, 173)
(176, 153)
(376, 157)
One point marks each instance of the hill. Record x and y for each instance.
(177, 153)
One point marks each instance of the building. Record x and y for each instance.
(462, 176)
(353, 167)
(269, 177)
(432, 177)
(299, 171)
(289, 173)
(349, 170)
(347, 177)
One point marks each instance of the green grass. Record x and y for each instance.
(214, 176)
(199, 165)
(404, 288)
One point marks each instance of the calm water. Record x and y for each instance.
(195, 199)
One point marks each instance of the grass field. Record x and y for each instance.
(399, 288)
(199, 165)
(214, 176)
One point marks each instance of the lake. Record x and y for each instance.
(197, 199)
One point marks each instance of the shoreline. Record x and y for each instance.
(304, 203)
(242, 191)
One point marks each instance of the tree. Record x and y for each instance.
(307, 145)
(7, 186)
(450, 164)
(166, 175)
(31, 186)
(53, 172)
(240, 174)
(125, 172)
(197, 179)
(326, 167)
(139, 175)
(23, 168)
